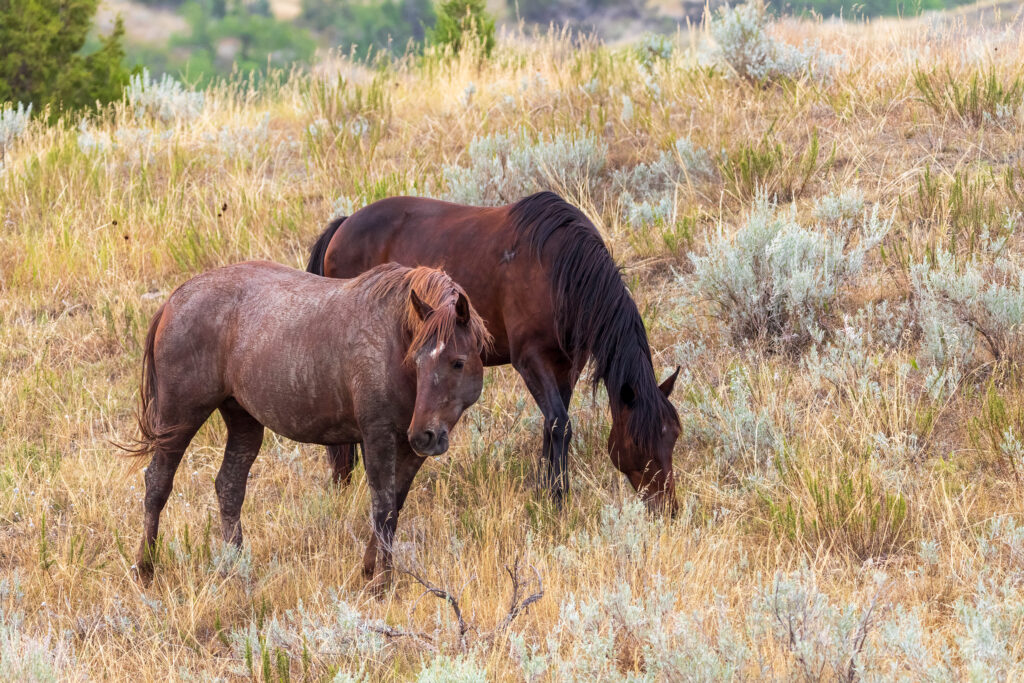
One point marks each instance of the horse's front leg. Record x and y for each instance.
(549, 382)
(379, 462)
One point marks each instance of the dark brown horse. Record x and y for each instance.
(389, 359)
(550, 293)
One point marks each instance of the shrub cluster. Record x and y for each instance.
(165, 99)
(963, 309)
(744, 43)
(504, 168)
(13, 122)
(778, 282)
(647, 191)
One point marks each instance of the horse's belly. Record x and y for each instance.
(311, 426)
(306, 412)
(336, 434)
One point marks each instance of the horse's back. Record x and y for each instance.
(265, 335)
(415, 231)
(476, 246)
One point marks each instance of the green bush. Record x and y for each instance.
(843, 508)
(461, 22)
(389, 25)
(41, 61)
(983, 97)
(262, 40)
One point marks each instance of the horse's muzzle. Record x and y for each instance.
(430, 441)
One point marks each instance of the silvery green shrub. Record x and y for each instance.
(744, 42)
(992, 639)
(647, 190)
(928, 551)
(504, 168)
(233, 141)
(853, 360)
(842, 209)
(165, 99)
(625, 529)
(825, 639)
(966, 307)
(654, 211)
(671, 167)
(654, 47)
(445, 669)
(136, 144)
(1012, 449)
(342, 206)
(729, 422)
(777, 282)
(25, 656)
(13, 121)
(91, 140)
(585, 643)
(335, 628)
(231, 559)
(906, 650)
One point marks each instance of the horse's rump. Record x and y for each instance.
(315, 264)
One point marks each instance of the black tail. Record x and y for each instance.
(319, 250)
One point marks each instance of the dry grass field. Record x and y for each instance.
(828, 249)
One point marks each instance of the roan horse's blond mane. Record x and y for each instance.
(438, 291)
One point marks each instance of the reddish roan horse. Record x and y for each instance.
(551, 295)
(390, 359)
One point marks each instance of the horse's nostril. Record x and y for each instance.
(428, 437)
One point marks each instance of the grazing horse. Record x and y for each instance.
(390, 359)
(551, 295)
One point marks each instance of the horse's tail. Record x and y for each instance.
(319, 250)
(150, 436)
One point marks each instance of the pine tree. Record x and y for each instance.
(41, 61)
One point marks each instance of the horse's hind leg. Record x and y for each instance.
(245, 436)
(159, 481)
(342, 459)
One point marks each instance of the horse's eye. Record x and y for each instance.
(458, 364)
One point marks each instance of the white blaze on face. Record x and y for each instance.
(437, 351)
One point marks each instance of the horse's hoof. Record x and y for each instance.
(144, 574)
(379, 585)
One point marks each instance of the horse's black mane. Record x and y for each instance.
(595, 316)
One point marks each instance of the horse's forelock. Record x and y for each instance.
(651, 410)
(441, 293)
(649, 416)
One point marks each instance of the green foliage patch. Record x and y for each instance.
(41, 58)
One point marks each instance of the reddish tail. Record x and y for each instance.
(149, 436)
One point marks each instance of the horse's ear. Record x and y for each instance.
(627, 395)
(462, 310)
(669, 384)
(423, 310)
